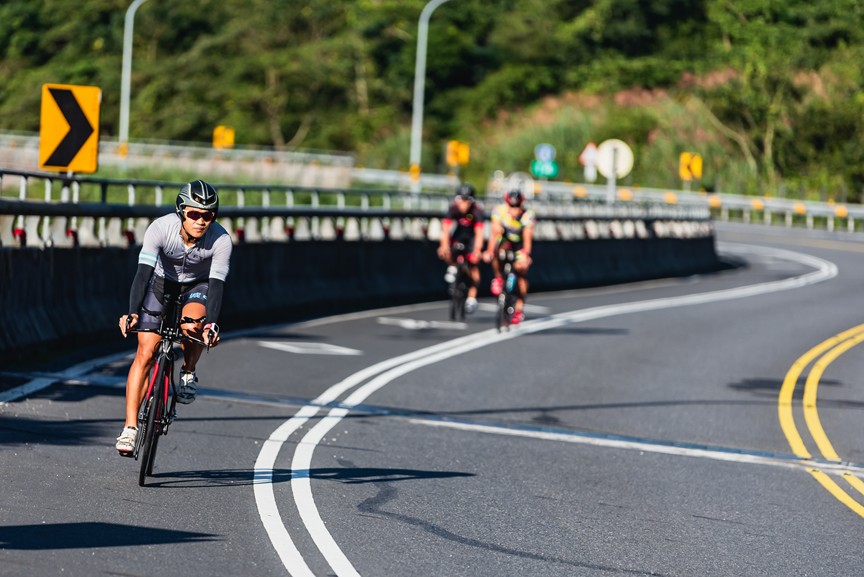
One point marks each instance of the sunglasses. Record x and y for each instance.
(194, 215)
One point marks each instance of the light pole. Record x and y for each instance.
(419, 86)
(125, 78)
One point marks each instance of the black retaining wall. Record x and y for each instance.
(57, 297)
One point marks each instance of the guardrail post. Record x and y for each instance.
(19, 232)
(72, 222)
(239, 227)
(129, 232)
(265, 221)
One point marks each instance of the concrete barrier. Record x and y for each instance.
(63, 296)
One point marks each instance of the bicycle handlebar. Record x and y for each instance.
(172, 337)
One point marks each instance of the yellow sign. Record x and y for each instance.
(69, 128)
(223, 137)
(458, 153)
(690, 166)
(414, 171)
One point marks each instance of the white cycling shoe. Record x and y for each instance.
(126, 441)
(470, 305)
(188, 388)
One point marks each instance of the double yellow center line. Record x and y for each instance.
(823, 354)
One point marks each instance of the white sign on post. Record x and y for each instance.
(588, 158)
(615, 160)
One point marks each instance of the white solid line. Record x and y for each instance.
(309, 348)
(303, 455)
(646, 446)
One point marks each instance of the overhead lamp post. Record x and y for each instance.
(419, 86)
(126, 77)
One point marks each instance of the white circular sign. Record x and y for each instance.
(614, 157)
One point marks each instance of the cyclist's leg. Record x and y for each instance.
(192, 351)
(475, 281)
(521, 268)
(139, 372)
(136, 382)
(194, 307)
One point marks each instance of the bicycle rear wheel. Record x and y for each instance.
(149, 429)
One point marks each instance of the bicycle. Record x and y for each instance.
(458, 289)
(159, 406)
(509, 292)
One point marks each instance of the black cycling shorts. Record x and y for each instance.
(158, 289)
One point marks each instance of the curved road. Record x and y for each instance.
(703, 426)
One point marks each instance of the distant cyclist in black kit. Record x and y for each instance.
(463, 225)
(190, 254)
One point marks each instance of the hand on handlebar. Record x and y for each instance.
(444, 252)
(488, 256)
(127, 322)
(211, 334)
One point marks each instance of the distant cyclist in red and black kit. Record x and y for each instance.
(462, 235)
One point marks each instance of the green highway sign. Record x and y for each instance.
(544, 168)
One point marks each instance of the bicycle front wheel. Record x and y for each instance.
(154, 410)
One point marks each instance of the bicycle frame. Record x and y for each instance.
(459, 287)
(509, 293)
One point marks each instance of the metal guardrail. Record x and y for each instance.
(724, 206)
(63, 219)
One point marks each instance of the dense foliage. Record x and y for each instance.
(769, 91)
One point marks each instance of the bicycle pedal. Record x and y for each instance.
(128, 454)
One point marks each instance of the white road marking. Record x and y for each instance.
(647, 446)
(305, 348)
(301, 484)
(528, 308)
(419, 325)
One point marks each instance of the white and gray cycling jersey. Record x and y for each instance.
(164, 249)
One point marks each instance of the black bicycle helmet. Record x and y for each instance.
(197, 194)
(514, 197)
(465, 191)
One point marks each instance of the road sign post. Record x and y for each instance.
(69, 128)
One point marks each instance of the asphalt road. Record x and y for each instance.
(703, 426)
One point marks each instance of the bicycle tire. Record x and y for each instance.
(502, 320)
(154, 412)
(459, 296)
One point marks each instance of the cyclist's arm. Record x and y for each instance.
(497, 231)
(215, 290)
(478, 237)
(444, 241)
(139, 287)
(527, 240)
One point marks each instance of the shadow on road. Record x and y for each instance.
(349, 475)
(91, 535)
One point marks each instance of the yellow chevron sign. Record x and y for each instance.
(69, 128)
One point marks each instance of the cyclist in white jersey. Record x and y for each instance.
(189, 255)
